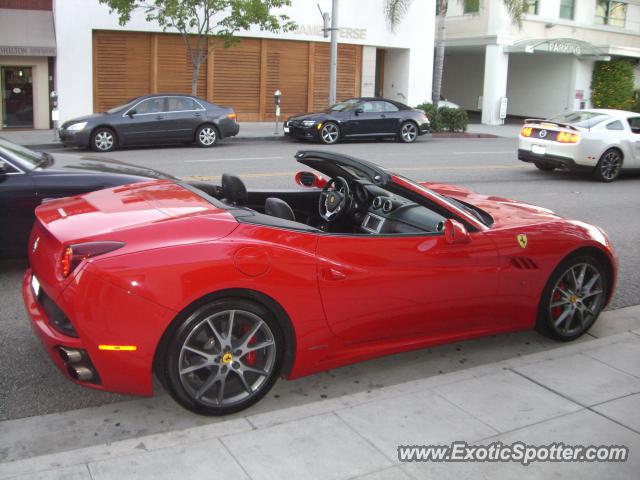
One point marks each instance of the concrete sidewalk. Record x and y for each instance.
(249, 131)
(585, 393)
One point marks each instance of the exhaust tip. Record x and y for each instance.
(81, 373)
(70, 355)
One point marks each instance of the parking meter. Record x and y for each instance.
(276, 98)
(53, 97)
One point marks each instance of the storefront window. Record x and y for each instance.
(531, 7)
(566, 9)
(611, 13)
(471, 6)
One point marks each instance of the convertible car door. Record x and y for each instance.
(377, 287)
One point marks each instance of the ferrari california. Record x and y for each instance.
(359, 118)
(221, 293)
(602, 142)
(152, 120)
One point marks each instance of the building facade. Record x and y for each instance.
(539, 69)
(27, 53)
(101, 64)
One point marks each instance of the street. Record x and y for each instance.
(32, 385)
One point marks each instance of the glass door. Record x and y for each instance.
(17, 97)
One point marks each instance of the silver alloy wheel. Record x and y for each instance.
(207, 136)
(104, 140)
(330, 133)
(576, 299)
(409, 132)
(226, 358)
(610, 165)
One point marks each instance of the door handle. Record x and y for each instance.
(383, 116)
(160, 117)
(332, 274)
(197, 115)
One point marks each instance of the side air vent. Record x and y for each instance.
(523, 263)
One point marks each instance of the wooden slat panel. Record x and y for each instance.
(121, 67)
(236, 81)
(349, 67)
(175, 69)
(287, 71)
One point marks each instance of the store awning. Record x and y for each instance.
(27, 33)
(569, 46)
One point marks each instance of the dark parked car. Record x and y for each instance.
(28, 177)
(360, 118)
(152, 120)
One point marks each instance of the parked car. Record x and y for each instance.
(360, 118)
(152, 120)
(27, 178)
(220, 295)
(603, 142)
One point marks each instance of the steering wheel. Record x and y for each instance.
(334, 199)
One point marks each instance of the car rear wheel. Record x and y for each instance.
(329, 133)
(223, 357)
(408, 132)
(207, 136)
(544, 167)
(573, 298)
(103, 140)
(609, 165)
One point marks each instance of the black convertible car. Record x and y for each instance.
(27, 178)
(360, 118)
(152, 120)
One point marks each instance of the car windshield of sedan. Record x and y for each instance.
(342, 106)
(581, 119)
(27, 158)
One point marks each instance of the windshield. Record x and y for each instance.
(342, 106)
(121, 107)
(27, 158)
(581, 119)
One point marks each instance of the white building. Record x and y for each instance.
(100, 63)
(542, 68)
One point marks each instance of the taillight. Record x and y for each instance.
(73, 255)
(526, 131)
(567, 137)
(232, 116)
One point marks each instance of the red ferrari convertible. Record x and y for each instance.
(218, 291)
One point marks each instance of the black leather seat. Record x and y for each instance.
(279, 208)
(233, 190)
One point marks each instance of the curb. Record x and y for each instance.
(463, 135)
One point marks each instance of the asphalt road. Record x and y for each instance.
(32, 386)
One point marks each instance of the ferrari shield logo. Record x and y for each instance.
(331, 199)
(522, 240)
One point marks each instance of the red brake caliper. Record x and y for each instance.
(249, 358)
(556, 311)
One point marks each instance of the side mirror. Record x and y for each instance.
(131, 113)
(358, 111)
(3, 168)
(310, 179)
(455, 232)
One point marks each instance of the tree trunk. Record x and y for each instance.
(194, 79)
(438, 61)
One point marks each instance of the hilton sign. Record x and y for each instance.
(28, 51)
(344, 33)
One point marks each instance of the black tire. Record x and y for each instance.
(192, 328)
(103, 140)
(329, 133)
(609, 166)
(408, 132)
(575, 324)
(544, 167)
(207, 136)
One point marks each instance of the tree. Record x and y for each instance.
(396, 9)
(197, 20)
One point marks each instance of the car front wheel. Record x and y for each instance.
(329, 133)
(544, 167)
(573, 298)
(609, 165)
(223, 357)
(103, 140)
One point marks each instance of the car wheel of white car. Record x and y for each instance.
(544, 167)
(609, 166)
